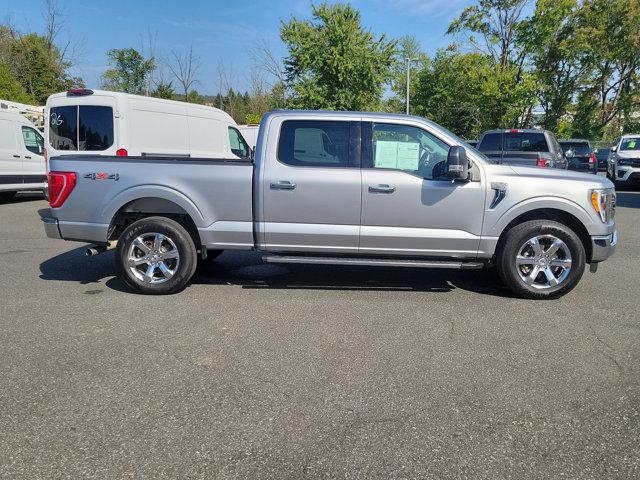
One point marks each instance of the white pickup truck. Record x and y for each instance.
(342, 188)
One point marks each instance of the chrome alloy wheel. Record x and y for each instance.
(153, 258)
(543, 262)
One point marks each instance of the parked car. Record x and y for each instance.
(111, 123)
(579, 155)
(22, 165)
(602, 156)
(532, 147)
(340, 188)
(624, 161)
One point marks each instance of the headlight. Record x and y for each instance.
(604, 203)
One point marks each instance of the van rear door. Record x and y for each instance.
(82, 125)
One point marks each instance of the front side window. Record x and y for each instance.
(238, 144)
(410, 149)
(33, 141)
(83, 128)
(314, 143)
(630, 144)
(525, 142)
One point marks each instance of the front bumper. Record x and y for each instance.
(603, 246)
(627, 173)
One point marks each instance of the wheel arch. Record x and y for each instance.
(556, 215)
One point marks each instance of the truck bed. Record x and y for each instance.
(215, 193)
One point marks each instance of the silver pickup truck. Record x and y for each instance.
(341, 188)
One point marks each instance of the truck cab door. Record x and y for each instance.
(310, 186)
(409, 207)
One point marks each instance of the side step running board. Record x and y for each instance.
(372, 262)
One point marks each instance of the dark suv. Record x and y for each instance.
(580, 155)
(531, 147)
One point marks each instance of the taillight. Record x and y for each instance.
(61, 184)
(592, 158)
(121, 152)
(79, 92)
(542, 162)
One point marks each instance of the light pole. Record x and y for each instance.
(409, 60)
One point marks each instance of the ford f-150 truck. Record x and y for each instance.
(341, 188)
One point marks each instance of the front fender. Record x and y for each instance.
(546, 202)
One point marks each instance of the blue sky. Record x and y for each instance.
(222, 32)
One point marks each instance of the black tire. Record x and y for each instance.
(175, 238)
(516, 238)
(6, 196)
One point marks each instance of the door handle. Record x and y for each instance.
(16, 156)
(383, 188)
(27, 157)
(282, 185)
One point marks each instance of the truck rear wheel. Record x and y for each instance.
(156, 256)
(541, 259)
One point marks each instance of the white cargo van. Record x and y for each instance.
(22, 164)
(250, 134)
(111, 123)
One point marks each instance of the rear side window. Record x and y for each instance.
(491, 142)
(83, 128)
(314, 143)
(525, 142)
(33, 141)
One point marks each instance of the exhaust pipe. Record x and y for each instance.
(94, 250)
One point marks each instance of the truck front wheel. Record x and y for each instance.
(156, 255)
(541, 259)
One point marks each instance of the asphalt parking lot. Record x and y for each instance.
(261, 371)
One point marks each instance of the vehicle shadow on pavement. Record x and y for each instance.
(628, 199)
(24, 197)
(247, 270)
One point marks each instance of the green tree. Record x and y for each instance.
(129, 71)
(39, 69)
(10, 88)
(610, 33)
(549, 38)
(333, 63)
(408, 47)
(164, 90)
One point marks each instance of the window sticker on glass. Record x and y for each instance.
(386, 154)
(408, 156)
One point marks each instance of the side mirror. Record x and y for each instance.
(569, 154)
(614, 148)
(457, 163)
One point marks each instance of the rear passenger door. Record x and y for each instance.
(10, 158)
(311, 186)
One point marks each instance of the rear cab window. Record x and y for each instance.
(579, 148)
(491, 142)
(81, 128)
(525, 142)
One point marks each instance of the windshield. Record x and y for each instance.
(630, 143)
(577, 148)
